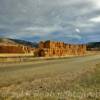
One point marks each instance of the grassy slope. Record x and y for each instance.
(71, 86)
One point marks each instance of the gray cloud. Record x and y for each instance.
(54, 19)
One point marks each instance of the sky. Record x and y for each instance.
(71, 21)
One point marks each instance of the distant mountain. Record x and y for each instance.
(93, 46)
(17, 41)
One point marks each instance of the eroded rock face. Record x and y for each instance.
(50, 48)
(16, 49)
(46, 49)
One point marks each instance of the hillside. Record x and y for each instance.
(93, 46)
(17, 41)
(90, 46)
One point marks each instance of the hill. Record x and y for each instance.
(90, 46)
(18, 41)
(93, 46)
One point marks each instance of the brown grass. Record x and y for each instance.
(82, 85)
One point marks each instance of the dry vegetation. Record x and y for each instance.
(54, 84)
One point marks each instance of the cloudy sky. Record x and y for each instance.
(74, 21)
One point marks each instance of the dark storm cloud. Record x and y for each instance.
(71, 20)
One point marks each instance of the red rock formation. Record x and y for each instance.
(49, 48)
(15, 49)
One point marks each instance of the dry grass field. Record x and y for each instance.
(65, 79)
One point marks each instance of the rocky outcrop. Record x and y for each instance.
(50, 48)
(15, 49)
(45, 49)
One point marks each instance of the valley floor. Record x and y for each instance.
(63, 79)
